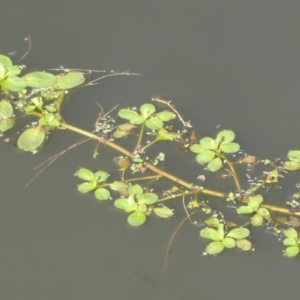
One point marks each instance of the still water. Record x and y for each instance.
(230, 63)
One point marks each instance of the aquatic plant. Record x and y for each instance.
(41, 94)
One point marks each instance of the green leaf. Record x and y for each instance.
(124, 204)
(291, 165)
(135, 189)
(69, 81)
(221, 231)
(120, 134)
(101, 176)
(6, 124)
(142, 208)
(2, 72)
(243, 244)
(291, 251)
(238, 233)
(37, 101)
(244, 210)
(137, 120)
(230, 147)
(255, 201)
(215, 164)
(294, 155)
(136, 219)
(263, 212)
(196, 148)
(225, 136)
(12, 71)
(127, 113)
(86, 187)
(5, 61)
(39, 80)
(51, 108)
(148, 198)
(228, 242)
(257, 220)
(6, 109)
(212, 221)
(127, 127)
(290, 233)
(165, 116)
(214, 248)
(85, 174)
(210, 233)
(147, 110)
(205, 156)
(165, 135)
(31, 138)
(163, 212)
(208, 143)
(290, 241)
(154, 123)
(102, 194)
(13, 84)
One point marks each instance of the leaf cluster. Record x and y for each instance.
(253, 207)
(209, 151)
(222, 239)
(140, 204)
(292, 241)
(147, 116)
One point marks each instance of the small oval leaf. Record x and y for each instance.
(214, 248)
(102, 194)
(69, 81)
(291, 251)
(214, 165)
(210, 233)
(239, 233)
(136, 219)
(31, 138)
(85, 174)
(39, 79)
(147, 198)
(163, 212)
(154, 123)
(243, 244)
(228, 242)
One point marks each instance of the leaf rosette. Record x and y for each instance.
(209, 151)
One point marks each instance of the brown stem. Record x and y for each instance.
(147, 165)
(235, 177)
(140, 138)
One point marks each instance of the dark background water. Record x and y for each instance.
(229, 63)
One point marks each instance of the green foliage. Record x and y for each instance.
(40, 95)
(253, 207)
(137, 203)
(94, 182)
(294, 161)
(221, 239)
(209, 151)
(31, 139)
(146, 116)
(292, 241)
(7, 119)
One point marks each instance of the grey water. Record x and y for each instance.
(233, 64)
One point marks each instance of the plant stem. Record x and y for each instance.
(235, 177)
(140, 138)
(151, 167)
